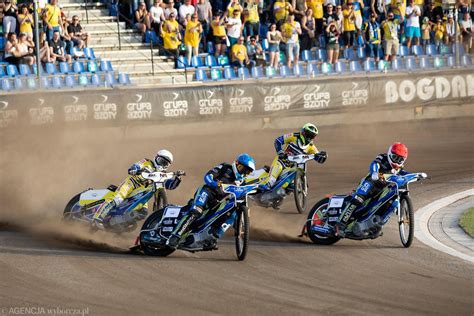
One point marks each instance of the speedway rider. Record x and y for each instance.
(384, 164)
(208, 195)
(134, 180)
(293, 144)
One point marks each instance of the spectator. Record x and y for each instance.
(274, 38)
(290, 32)
(170, 9)
(26, 49)
(204, 11)
(378, 8)
(140, 19)
(185, 9)
(220, 39)
(25, 20)
(340, 19)
(413, 14)
(333, 42)
(79, 38)
(239, 55)
(281, 9)
(192, 36)
(251, 19)
(349, 25)
(467, 31)
(155, 17)
(51, 18)
(398, 7)
(425, 32)
(358, 6)
(439, 31)
(330, 16)
(433, 13)
(10, 11)
(56, 48)
(64, 35)
(299, 9)
(218, 6)
(12, 53)
(234, 27)
(234, 9)
(452, 29)
(255, 52)
(308, 26)
(45, 53)
(372, 37)
(171, 36)
(389, 27)
(318, 13)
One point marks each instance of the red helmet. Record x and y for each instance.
(397, 154)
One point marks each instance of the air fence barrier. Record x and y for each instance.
(236, 99)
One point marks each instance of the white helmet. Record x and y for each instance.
(163, 159)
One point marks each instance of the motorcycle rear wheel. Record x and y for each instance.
(406, 224)
(242, 232)
(68, 214)
(149, 223)
(315, 238)
(300, 191)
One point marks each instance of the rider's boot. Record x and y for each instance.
(346, 214)
(182, 227)
(102, 212)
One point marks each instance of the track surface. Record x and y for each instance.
(55, 266)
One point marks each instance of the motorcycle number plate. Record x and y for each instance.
(172, 212)
(336, 202)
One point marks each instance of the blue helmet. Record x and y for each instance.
(243, 166)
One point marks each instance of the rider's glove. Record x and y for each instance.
(282, 155)
(134, 170)
(180, 173)
(374, 176)
(321, 157)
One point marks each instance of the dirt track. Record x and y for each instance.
(55, 266)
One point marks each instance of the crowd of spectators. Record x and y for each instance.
(58, 33)
(236, 27)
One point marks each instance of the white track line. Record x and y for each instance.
(422, 217)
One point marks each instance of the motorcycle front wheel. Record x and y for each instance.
(242, 232)
(315, 218)
(68, 214)
(150, 223)
(406, 222)
(300, 191)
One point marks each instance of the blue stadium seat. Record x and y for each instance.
(18, 84)
(45, 84)
(216, 73)
(30, 83)
(64, 68)
(341, 67)
(397, 64)
(210, 48)
(182, 62)
(262, 32)
(460, 47)
(78, 67)
(431, 50)
(243, 73)
(445, 49)
(349, 54)
(92, 66)
(24, 70)
(369, 66)
(104, 66)
(89, 53)
(425, 62)
(439, 62)
(285, 71)
(411, 63)
(12, 71)
(211, 61)
(326, 68)
(196, 62)
(312, 69)
(466, 60)
(57, 82)
(2, 42)
(307, 56)
(2, 72)
(6, 84)
(270, 72)
(83, 80)
(70, 81)
(361, 53)
(223, 60)
(282, 60)
(124, 79)
(257, 72)
(265, 44)
(151, 37)
(96, 80)
(403, 51)
(201, 74)
(322, 41)
(109, 65)
(383, 65)
(321, 55)
(299, 70)
(229, 73)
(354, 66)
(417, 50)
(110, 79)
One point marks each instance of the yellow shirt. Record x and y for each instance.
(390, 29)
(400, 7)
(252, 16)
(217, 30)
(239, 51)
(349, 24)
(317, 7)
(192, 34)
(282, 14)
(25, 27)
(232, 9)
(170, 40)
(171, 26)
(287, 30)
(439, 31)
(53, 14)
(420, 3)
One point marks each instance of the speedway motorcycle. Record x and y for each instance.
(291, 180)
(368, 220)
(231, 211)
(124, 217)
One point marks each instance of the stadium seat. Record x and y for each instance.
(349, 54)
(411, 63)
(83, 80)
(397, 64)
(431, 50)
(263, 30)
(369, 66)
(30, 83)
(361, 52)
(104, 66)
(282, 60)
(12, 71)
(223, 60)
(383, 65)
(6, 84)
(451, 61)
(110, 79)
(445, 50)
(285, 71)
(257, 72)
(201, 75)
(109, 65)
(243, 73)
(354, 66)
(210, 47)
(321, 55)
(78, 67)
(89, 53)
(2, 72)
(24, 70)
(96, 80)
(229, 73)
(45, 84)
(466, 60)
(403, 51)
(265, 44)
(64, 68)
(326, 68)
(460, 47)
(196, 62)
(425, 62)
(92, 66)
(18, 84)
(312, 69)
(417, 50)
(270, 72)
(57, 82)
(211, 61)
(322, 41)
(299, 70)
(216, 73)
(439, 62)
(70, 81)
(2, 42)
(151, 37)
(182, 62)
(307, 56)
(124, 79)
(341, 67)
